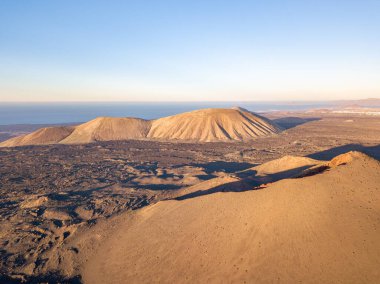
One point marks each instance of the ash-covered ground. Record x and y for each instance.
(48, 192)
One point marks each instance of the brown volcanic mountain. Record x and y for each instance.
(204, 125)
(43, 136)
(212, 125)
(107, 129)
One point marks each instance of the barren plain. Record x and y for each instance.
(61, 204)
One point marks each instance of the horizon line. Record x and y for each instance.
(196, 101)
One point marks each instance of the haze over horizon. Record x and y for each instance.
(189, 51)
(190, 141)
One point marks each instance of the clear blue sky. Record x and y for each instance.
(189, 50)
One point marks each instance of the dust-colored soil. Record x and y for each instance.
(43, 136)
(108, 128)
(318, 229)
(52, 195)
(212, 125)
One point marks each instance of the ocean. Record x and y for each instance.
(55, 113)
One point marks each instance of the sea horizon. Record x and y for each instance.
(74, 112)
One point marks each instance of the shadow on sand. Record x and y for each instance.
(249, 181)
(373, 151)
(235, 186)
(290, 122)
(227, 167)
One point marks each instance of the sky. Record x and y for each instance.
(189, 50)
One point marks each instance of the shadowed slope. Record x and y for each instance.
(212, 125)
(225, 183)
(108, 128)
(43, 136)
(272, 171)
(317, 229)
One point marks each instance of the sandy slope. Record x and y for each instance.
(284, 164)
(212, 125)
(98, 129)
(285, 167)
(218, 184)
(318, 229)
(108, 128)
(48, 135)
(201, 125)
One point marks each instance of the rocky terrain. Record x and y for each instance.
(51, 193)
